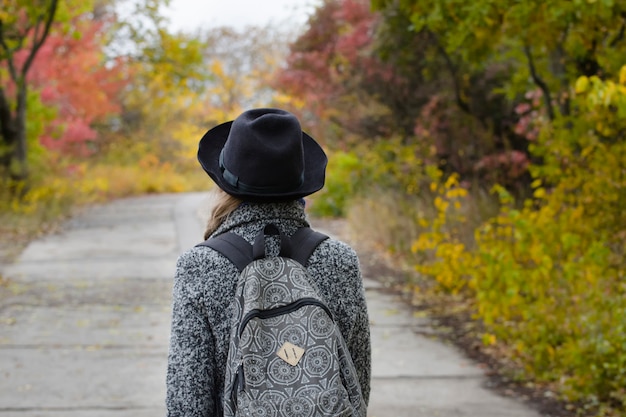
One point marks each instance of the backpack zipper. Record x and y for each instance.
(277, 311)
(239, 383)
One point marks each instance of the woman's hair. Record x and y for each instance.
(222, 204)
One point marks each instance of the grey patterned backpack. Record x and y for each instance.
(287, 357)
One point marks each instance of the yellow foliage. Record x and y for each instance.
(622, 76)
(489, 339)
(187, 135)
(441, 252)
(582, 83)
(539, 193)
(547, 278)
(53, 195)
(546, 275)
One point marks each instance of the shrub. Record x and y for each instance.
(342, 179)
(547, 278)
(58, 186)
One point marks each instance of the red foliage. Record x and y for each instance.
(356, 16)
(309, 70)
(507, 165)
(530, 115)
(70, 73)
(332, 60)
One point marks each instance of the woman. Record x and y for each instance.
(263, 165)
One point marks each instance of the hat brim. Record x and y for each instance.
(315, 162)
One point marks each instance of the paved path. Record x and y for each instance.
(84, 325)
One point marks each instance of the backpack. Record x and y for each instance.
(286, 357)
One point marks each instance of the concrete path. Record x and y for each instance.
(84, 325)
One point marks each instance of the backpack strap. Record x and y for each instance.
(258, 247)
(304, 242)
(232, 246)
(299, 247)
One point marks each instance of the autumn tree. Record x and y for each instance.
(551, 43)
(366, 74)
(73, 76)
(341, 83)
(541, 274)
(166, 78)
(24, 27)
(243, 63)
(463, 112)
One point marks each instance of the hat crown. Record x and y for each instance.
(263, 155)
(264, 151)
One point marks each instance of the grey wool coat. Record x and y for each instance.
(205, 284)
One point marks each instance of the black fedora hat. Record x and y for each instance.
(263, 155)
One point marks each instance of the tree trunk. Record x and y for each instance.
(7, 132)
(13, 149)
(19, 166)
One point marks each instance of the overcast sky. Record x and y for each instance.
(188, 15)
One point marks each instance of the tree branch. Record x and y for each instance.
(5, 118)
(620, 34)
(37, 43)
(12, 70)
(453, 71)
(539, 81)
(9, 52)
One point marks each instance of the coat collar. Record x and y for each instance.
(254, 216)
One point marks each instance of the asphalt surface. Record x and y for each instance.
(84, 325)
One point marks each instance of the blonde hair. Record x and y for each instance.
(222, 205)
